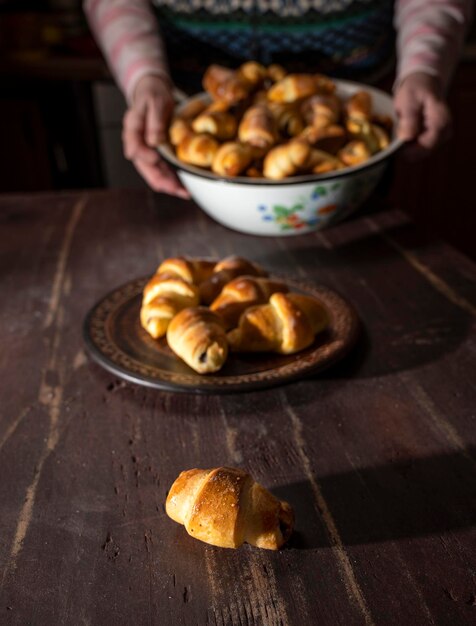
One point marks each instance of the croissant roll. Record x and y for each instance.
(258, 127)
(329, 139)
(293, 87)
(163, 297)
(321, 162)
(225, 84)
(241, 293)
(232, 158)
(179, 129)
(286, 159)
(226, 507)
(225, 270)
(359, 106)
(321, 110)
(253, 72)
(354, 153)
(289, 120)
(191, 109)
(219, 124)
(276, 72)
(197, 150)
(193, 271)
(197, 336)
(286, 325)
(383, 121)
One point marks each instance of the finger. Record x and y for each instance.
(410, 118)
(436, 123)
(156, 122)
(133, 139)
(160, 178)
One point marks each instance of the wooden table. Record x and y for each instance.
(376, 455)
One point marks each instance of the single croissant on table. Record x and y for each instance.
(197, 336)
(287, 324)
(225, 507)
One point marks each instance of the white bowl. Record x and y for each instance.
(294, 205)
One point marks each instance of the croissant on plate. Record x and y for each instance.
(197, 336)
(163, 297)
(220, 124)
(288, 118)
(192, 270)
(224, 271)
(253, 73)
(226, 507)
(241, 293)
(354, 153)
(287, 324)
(359, 106)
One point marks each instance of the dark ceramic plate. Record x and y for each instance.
(117, 341)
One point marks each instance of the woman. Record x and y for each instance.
(350, 38)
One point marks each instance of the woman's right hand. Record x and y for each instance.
(144, 127)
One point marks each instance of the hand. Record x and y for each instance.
(144, 127)
(424, 117)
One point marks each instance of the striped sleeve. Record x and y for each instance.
(430, 36)
(127, 33)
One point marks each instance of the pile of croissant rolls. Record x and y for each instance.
(264, 123)
(206, 309)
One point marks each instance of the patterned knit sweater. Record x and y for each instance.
(352, 38)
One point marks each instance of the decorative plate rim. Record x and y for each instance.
(111, 357)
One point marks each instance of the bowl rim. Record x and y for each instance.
(166, 152)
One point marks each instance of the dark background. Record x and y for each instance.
(60, 122)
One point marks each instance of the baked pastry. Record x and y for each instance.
(220, 124)
(232, 158)
(197, 336)
(197, 149)
(225, 507)
(328, 138)
(163, 297)
(241, 293)
(225, 270)
(225, 84)
(354, 153)
(287, 324)
(321, 162)
(192, 270)
(297, 86)
(258, 127)
(288, 118)
(287, 159)
(321, 110)
(359, 106)
(253, 73)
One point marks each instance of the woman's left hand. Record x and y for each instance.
(423, 114)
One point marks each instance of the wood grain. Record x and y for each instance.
(376, 455)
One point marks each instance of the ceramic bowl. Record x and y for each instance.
(294, 205)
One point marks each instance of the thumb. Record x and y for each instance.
(155, 123)
(409, 117)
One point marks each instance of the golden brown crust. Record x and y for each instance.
(232, 158)
(197, 150)
(225, 84)
(328, 138)
(193, 270)
(258, 127)
(321, 110)
(197, 336)
(286, 160)
(286, 325)
(241, 293)
(164, 296)
(225, 507)
(219, 124)
(225, 270)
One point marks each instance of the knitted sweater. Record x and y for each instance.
(341, 37)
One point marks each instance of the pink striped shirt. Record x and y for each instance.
(430, 35)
